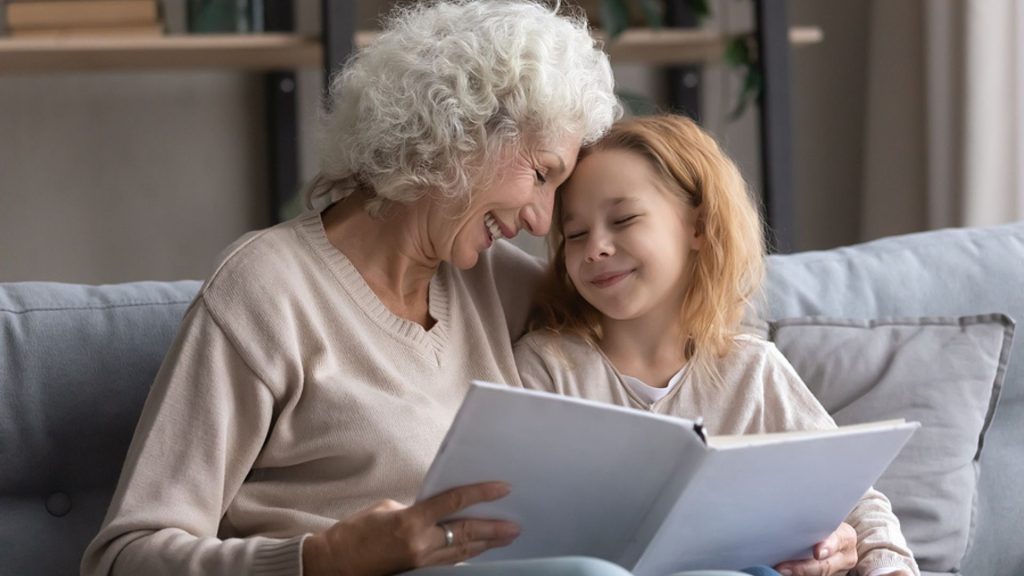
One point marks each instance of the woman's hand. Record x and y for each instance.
(833, 555)
(388, 537)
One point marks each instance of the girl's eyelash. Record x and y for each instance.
(626, 220)
(575, 235)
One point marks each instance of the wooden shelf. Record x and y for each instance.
(288, 51)
(237, 51)
(664, 46)
(667, 46)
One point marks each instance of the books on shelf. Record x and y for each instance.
(649, 492)
(77, 18)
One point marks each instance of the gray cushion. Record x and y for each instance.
(943, 372)
(76, 363)
(947, 273)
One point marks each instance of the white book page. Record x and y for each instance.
(723, 442)
(585, 477)
(763, 504)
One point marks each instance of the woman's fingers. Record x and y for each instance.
(469, 531)
(470, 538)
(456, 499)
(459, 553)
(389, 537)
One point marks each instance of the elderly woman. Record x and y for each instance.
(321, 364)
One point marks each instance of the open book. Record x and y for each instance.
(649, 492)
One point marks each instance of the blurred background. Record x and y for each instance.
(145, 161)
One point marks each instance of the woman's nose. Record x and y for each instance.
(536, 218)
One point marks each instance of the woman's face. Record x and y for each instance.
(628, 241)
(520, 198)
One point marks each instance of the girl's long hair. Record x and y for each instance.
(726, 271)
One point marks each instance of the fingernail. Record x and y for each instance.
(824, 553)
(510, 532)
(504, 489)
(786, 572)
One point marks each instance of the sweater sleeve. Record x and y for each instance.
(201, 429)
(880, 542)
(532, 365)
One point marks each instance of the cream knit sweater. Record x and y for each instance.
(293, 398)
(761, 392)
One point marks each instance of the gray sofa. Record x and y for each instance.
(76, 363)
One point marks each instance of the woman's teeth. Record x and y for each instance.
(492, 226)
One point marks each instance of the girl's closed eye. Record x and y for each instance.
(575, 234)
(625, 220)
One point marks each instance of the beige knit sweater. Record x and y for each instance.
(293, 398)
(760, 392)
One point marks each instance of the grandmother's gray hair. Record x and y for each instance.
(451, 86)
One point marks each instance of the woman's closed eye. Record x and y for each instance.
(541, 178)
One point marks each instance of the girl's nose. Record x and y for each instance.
(599, 247)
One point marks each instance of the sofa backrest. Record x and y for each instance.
(76, 364)
(958, 272)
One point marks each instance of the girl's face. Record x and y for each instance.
(628, 241)
(521, 198)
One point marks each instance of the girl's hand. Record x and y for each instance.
(835, 554)
(388, 537)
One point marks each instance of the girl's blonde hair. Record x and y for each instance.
(726, 271)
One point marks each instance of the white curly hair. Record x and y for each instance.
(447, 88)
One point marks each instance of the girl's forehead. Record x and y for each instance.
(582, 202)
(607, 175)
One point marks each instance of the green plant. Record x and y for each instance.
(615, 15)
(740, 53)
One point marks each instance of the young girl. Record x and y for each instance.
(657, 250)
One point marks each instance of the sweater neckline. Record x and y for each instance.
(683, 378)
(435, 339)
